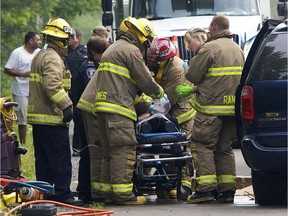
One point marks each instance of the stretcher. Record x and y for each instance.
(160, 145)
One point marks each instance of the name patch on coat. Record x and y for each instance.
(229, 99)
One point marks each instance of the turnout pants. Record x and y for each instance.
(213, 136)
(118, 141)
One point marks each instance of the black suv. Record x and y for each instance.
(261, 113)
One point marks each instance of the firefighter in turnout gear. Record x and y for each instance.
(216, 71)
(50, 110)
(121, 75)
(169, 72)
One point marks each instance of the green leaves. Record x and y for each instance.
(18, 17)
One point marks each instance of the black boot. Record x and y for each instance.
(200, 197)
(226, 196)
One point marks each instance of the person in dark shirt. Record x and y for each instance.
(88, 165)
(75, 57)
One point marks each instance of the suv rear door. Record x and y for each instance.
(272, 117)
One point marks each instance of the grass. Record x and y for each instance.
(27, 161)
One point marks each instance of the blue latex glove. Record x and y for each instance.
(185, 65)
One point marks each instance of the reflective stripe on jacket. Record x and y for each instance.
(121, 74)
(48, 88)
(170, 75)
(216, 70)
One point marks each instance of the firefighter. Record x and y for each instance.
(169, 73)
(86, 104)
(216, 71)
(50, 111)
(122, 75)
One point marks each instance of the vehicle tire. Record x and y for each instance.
(270, 188)
(185, 192)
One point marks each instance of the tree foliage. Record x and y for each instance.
(18, 17)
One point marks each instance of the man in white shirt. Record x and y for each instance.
(18, 66)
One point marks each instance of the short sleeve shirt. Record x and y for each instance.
(21, 60)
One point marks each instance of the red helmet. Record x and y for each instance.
(161, 49)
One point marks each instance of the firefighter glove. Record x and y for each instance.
(67, 114)
(184, 90)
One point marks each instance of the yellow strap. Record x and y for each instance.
(159, 74)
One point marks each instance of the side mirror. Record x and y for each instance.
(107, 19)
(106, 5)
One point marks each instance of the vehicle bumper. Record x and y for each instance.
(263, 158)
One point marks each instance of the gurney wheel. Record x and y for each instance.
(185, 192)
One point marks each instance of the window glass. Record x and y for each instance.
(157, 9)
(272, 64)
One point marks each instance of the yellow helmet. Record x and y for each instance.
(123, 26)
(141, 28)
(58, 28)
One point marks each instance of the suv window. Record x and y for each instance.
(273, 60)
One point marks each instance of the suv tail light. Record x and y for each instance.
(247, 103)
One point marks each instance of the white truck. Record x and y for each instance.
(175, 17)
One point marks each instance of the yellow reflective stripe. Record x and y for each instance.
(160, 71)
(186, 183)
(115, 108)
(207, 179)
(96, 186)
(226, 179)
(116, 69)
(184, 117)
(213, 109)
(85, 105)
(160, 95)
(58, 96)
(66, 83)
(34, 77)
(142, 97)
(106, 187)
(122, 188)
(225, 71)
(44, 118)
